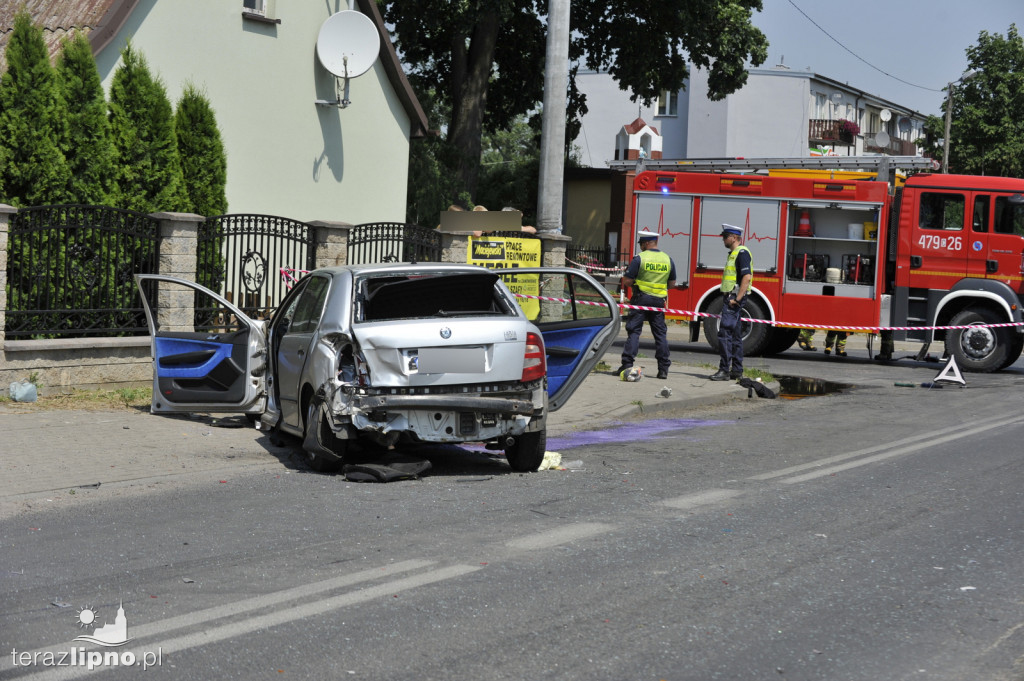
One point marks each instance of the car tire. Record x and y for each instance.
(527, 452)
(983, 350)
(325, 452)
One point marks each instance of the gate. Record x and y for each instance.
(375, 242)
(240, 257)
(70, 271)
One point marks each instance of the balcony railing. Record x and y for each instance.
(823, 131)
(895, 147)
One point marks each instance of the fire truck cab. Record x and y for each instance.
(834, 246)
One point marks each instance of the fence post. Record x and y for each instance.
(552, 249)
(331, 242)
(455, 247)
(5, 217)
(179, 234)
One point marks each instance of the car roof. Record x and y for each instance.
(397, 267)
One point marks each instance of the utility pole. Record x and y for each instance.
(552, 152)
(949, 116)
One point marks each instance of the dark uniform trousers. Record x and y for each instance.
(635, 325)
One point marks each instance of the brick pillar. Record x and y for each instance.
(552, 249)
(178, 240)
(331, 242)
(5, 216)
(455, 247)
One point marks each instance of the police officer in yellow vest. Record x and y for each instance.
(736, 281)
(651, 274)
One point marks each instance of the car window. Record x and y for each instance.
(574, 298)
(941, 211)
(309, 307)
(426, 296)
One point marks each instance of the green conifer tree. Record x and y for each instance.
(204, 164)
(89, 149)
(142, 127)
(32, 123)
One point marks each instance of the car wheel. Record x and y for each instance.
(982, 349)
(527, 452)
(325, 453)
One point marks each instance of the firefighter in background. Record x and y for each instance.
(651, 273)
(837, 338)
(737, 278)
(806, 340)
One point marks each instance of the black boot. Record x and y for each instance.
(720, 375)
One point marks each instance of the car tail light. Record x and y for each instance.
(534, 364)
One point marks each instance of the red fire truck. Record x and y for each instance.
(847, 244)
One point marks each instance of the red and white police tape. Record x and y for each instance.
(287, 273)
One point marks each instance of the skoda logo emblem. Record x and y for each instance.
(446, 332)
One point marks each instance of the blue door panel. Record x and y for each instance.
(565, 350)
(187, 358)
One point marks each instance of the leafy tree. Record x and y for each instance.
(149, 174)
(486, 82)
(204, 164)
(433, 185)
(987, 130)
(32, 121)
(88, 149)
(204, 169)
(510, 169)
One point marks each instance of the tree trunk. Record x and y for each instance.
(471, 72)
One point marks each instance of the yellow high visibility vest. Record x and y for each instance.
(655, 268)
(729, 274)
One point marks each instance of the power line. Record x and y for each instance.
(883, 72)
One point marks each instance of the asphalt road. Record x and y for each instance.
(872, 533)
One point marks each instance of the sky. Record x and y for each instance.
(920, 44)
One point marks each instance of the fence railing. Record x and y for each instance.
(375, 242)
(70, 271)
(596, 259)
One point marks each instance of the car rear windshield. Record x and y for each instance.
(431, 295)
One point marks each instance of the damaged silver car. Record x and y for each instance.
(386, 354)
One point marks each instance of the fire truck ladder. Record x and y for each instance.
(880, 164)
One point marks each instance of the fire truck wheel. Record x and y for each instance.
(980, 349)
(755, 336)
(1016, 347)
(781, 340)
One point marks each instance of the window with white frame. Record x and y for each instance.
(668, 103)
(255, 6)
(260, 10)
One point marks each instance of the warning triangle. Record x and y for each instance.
(951, 373)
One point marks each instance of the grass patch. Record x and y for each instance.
(88, 400)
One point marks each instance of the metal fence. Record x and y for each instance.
(240, 257)
(595, 258)
(375, 242)
(70, 271)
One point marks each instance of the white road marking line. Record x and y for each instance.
(898, 452)
(710, 496)
(273, 619)
(560, 535)
(886, 446)
(200, 617)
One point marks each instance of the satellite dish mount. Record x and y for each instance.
(347, 46)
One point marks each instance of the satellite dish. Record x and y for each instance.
(881, 138)
(348, 44)
(885, 115)
(904, 124)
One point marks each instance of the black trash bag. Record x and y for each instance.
(760, 388)
(386, 467)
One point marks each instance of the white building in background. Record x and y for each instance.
(780, 112)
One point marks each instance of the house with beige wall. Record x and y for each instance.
(256, 61)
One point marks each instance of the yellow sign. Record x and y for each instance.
(497, 252)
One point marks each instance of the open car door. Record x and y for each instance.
(208, 356)
(577, 316)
